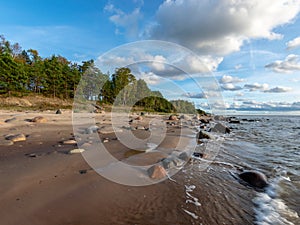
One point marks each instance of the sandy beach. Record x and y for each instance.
(42, 184)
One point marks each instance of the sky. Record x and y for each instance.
(242, 56)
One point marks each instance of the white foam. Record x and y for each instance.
(191, 214)
(271, 210)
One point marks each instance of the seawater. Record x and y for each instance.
(269, 144)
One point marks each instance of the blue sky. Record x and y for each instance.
(250, 47)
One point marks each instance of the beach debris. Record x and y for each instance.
(39, 119)
(76, 151)
(6, 142)
(70, 142)
(157, 172)
(16, 137)
(254, 178)
(220, 128)
(58, 111)
(10, 120)
(173, 117)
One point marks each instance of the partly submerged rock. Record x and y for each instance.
(16, 137)
(220, 128)
(204, 135)
(254, 178)
(157, 172)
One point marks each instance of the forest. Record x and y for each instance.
(25, 72)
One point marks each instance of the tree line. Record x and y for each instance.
(24, 71)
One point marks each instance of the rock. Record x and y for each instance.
(70, 142)
(206, 121)
(109, 130)
(6, 142)
(173, 117)
(76, 151)
(140, 128)
(200, 155)
(168, 163)
(254, 178)
(184, 156)
(203, 135)
(16, 138)
(157, 172)
(139, 118)
(10, 120)
(39, 119)
(58, 111)
(220, 128)
(234, 120)
(92, 129)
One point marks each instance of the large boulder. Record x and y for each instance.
(254, 178)
(220, 128)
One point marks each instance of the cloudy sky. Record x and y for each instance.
(249, 49)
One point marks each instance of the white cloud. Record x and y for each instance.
(229, 79)
(238, 66)
(295, 43)
(230, 87)
(256, 87)
(290, 64)
(129, 22)
(278, 90)
(194, 95)
(220, 27)
(252, 105)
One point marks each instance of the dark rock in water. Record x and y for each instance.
(220, 128)
(234, 120)
(254, 178)
(200, 155)
(58, 111)
(203, 135)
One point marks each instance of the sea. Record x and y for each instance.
(214, 194)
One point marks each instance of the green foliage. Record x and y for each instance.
(183, 106)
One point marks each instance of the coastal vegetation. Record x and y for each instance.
(25, 73)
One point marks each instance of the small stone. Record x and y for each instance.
(82, 171)
(140, 128)
(105, 141)
(58, 111)
(139, 118)
(39, 119)
(173, 117)
(76, 151)
(70, 142)
(157, 172)
(10, 120)
(16, 138)
(183, 156)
